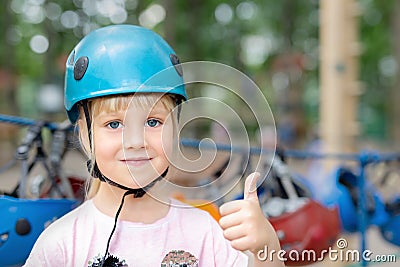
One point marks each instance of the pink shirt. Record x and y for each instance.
(82, 235)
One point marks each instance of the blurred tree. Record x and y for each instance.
(7, 64)
(247, 34)
(377, 67)
(393, 105)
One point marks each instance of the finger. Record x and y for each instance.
(229, 207)
(230, 220)
(250, 186)
(235, 232)
(242, 243)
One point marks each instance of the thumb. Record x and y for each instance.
(250, 186)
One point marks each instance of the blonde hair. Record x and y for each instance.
(113, 104)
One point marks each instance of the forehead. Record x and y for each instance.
(136, 101)
(147, 106)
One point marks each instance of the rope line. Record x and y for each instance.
(364, 157)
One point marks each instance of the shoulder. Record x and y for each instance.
(189, 212)
(62, 229)
(192, 219)
(50, 247)
(69, 220)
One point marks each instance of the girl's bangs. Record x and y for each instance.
(145, 100)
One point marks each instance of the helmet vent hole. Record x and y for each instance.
(177, 64)
(80, 67)
(22, 227)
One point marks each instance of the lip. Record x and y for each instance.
(136, 162)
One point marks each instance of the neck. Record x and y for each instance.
(146, 209)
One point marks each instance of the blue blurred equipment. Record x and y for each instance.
(343, 192)
(22, 222)
(23, 219)
(121, 59)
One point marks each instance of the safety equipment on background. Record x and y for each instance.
(22, 222)
(40, 187)
(391, 230)
(120, 59)
(312, 227)
(304, 224)
(343, 192)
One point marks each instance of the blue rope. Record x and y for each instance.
(363, 157)
(20, 121)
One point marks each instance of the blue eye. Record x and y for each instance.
(114, 124)
(152, 123)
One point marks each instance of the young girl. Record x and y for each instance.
(127, 127)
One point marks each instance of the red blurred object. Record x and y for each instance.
(306, 232)
(77, 185)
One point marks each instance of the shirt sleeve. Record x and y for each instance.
(46, 252)
(225, 254)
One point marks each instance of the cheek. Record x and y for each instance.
(104, 146)
(167, 141)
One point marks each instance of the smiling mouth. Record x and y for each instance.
(137, 162)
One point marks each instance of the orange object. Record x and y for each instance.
(202, 204)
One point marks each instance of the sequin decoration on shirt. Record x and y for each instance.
(109, 261)
(179, 258)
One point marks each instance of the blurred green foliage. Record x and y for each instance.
(248, 35)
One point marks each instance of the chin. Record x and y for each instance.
(139, 184)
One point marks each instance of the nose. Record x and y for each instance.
(134, 137)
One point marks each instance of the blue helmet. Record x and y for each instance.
(342, 191)
(120, 59)
(22, 222)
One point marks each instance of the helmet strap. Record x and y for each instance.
(107, 254)
(84, 105)
(137, 192)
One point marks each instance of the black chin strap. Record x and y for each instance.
(137, 192)
(128, 192)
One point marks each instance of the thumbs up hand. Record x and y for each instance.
(244, 223)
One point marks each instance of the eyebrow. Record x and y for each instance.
(106, 115)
